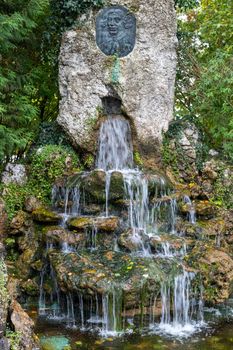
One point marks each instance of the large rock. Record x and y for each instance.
(14, 173)
(140, 84)
(24, 325)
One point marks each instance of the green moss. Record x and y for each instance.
(47, 164)
(137, 159)
(14, 338)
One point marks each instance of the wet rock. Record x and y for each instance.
(108, 224)
(116, 191)
(59, 235)
(94, 184)
(23, 324)
(32, 203)
(176, 244)
(45, 216)
(131, 242)
(14, 173)
(101, 271)
(213, 227)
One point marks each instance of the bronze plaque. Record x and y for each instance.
(116, 31)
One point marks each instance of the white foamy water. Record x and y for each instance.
(115, 145)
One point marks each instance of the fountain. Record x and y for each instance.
(150, 210)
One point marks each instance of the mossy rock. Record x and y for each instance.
(94, 185)
(116, 191)
(108, 224)
(46, 216)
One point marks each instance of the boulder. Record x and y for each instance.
(141, 84)
(23, 324)
(14, 173)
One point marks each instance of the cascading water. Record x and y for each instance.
(115, 145)
(151, 211)
(178, 319)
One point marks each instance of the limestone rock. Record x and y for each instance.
(14, 173)
(143, 81)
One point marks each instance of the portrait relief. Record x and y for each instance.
(116, 31)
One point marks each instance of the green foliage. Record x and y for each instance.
(186, 4)
(66, 13)
(204, 77)
(137, 159)
(27, 90)
(15, 338)
(47, 164)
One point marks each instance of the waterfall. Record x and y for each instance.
(178, 319)
(115, 145)
(191, 209)
(111, 311)
(151, 211)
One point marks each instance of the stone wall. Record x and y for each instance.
(143, 80)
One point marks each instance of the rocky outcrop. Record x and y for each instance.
(141, 85)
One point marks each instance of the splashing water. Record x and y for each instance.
(178, 319)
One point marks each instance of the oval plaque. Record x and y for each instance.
(116, 31)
